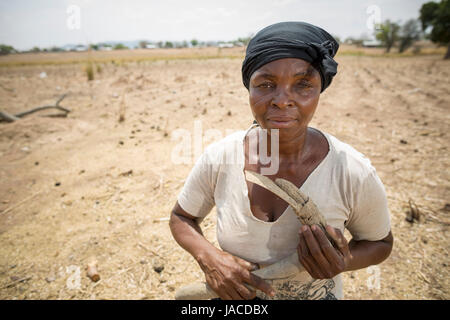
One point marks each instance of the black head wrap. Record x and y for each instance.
(292, 40)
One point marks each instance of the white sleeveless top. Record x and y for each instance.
(344, 186)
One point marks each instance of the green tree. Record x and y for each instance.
(244, 40)
(120, 46)
(387, 33)
(437, 16)
(168, 44)
(5, 49)
(409, 33)
(194, 42)
(56, 49)
(143, 44)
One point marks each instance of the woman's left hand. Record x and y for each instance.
(318, 256)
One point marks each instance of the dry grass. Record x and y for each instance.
(120, 57)
(87, 187)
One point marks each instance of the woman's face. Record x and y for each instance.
(284, 95)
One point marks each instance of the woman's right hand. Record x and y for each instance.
(226, 275)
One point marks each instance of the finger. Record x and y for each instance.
(303, 260)
(247, 265)
(339, 239)
(327, 248)
(245, 292)
(221, 292)
(225, 295)
(306, 259)
(260, 284)
(316, 252)
(231, 291)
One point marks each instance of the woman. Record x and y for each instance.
(287, 66)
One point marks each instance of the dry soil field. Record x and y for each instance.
(92, 187)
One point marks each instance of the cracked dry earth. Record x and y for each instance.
(91, 187)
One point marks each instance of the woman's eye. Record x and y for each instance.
(265, 85)
(304, 84)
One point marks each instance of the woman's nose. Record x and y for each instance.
(282, 98)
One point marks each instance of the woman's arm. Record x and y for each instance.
(366, 253)
(224, 273)
(323, 261)
(187, 232)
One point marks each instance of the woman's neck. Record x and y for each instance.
(290, 150)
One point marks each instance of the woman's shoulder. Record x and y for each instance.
(352, 161)
(227, 147)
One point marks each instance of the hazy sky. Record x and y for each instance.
(45, 23)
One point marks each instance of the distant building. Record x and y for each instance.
(81, 47)
(371, 43)
(226, 45)
(104, 47)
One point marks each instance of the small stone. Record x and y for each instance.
(57, 184)
(409, 217)
(403, 141)
(158, 266)
(126, 173)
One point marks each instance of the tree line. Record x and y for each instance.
(433, 24)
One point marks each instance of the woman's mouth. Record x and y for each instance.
(281, 122)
